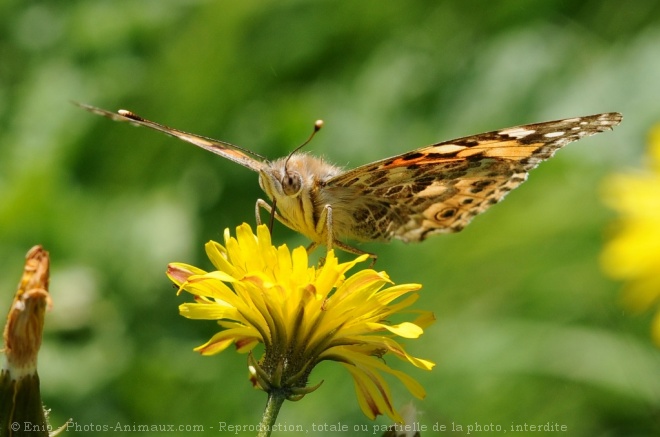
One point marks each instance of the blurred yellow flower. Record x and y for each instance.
(633, 253)
(303, 315)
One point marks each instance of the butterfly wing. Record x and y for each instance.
(440, 188)
(234, 153)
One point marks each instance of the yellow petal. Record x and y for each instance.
(180, 272)
(217, 254)
(425, 318)
(217, 344)
(211, 311)
(300, 265)
(394, 292)
(266, 249)
(235, 254)
(373, 394)
(357, 290)
(208, 286)
(414, 387)
(249, 248)
(405, 329)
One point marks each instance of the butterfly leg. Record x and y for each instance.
(273, 213)
(356, 251)
(346, 248)
(325, 220)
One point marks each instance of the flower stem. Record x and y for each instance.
(275, 401)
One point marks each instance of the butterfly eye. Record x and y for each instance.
(291, 183)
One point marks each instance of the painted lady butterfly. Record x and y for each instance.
(432, 190)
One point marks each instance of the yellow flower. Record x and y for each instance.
(303, 315)
(633, 254)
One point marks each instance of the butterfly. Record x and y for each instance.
(433, 190)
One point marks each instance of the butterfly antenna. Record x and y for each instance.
(318, 124)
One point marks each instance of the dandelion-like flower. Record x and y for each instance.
(633, 254)
(303, 315)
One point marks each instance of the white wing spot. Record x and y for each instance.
(517, 132)
(435, 189)
(554, 134)
(449, 148)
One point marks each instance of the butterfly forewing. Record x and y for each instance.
(440, 188)
(230, 151)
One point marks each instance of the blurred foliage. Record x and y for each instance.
(529, 330)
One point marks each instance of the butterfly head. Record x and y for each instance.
(283, 184)
(295, 183)
(282, 178)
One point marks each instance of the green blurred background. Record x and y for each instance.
(529, 329)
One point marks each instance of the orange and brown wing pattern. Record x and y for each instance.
(440, 188)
